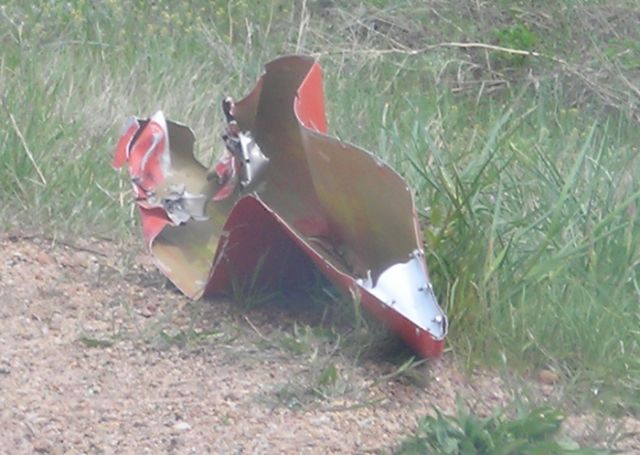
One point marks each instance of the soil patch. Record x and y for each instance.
(100, 355)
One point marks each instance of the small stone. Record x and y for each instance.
(41, 445)
(148, 310)
(44, 258)
(182, 426)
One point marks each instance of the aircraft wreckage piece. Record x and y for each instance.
(283, 194)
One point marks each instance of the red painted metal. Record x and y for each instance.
(318, 201)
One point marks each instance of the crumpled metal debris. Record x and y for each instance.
(282, 196)
(243, 160)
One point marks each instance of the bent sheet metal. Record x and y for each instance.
(282, 195)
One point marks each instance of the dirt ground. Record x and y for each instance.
(98, 355)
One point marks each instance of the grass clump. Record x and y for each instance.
(530, 432)
(537, 236)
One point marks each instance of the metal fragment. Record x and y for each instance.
(284, 196)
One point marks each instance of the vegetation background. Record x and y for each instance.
(515, 121)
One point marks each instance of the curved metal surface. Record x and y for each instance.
(317, 199)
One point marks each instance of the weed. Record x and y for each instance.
(325, 373)
(529, 432)
(184, 337)
(251, 291)
(515, 37)
(91, 342)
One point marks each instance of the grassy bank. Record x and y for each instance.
(526, 166)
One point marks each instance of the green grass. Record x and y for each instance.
(526, 169)
(529, 432)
